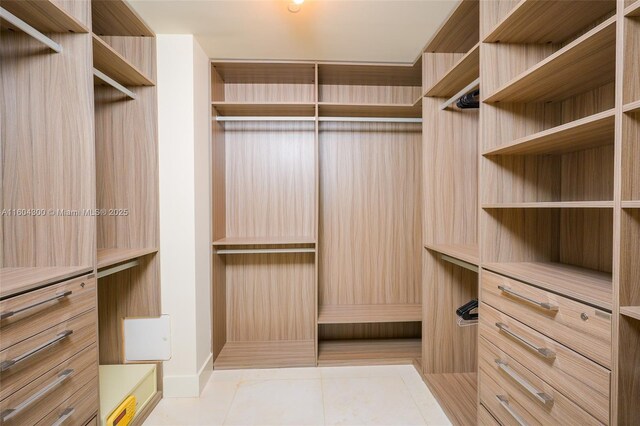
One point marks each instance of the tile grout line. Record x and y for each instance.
(413, 398)
(235, 391)
(324, 408)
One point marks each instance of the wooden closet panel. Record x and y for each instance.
(365, 94)
(139, 51)
(435, 66)
(586, 238)
(127, 168)
(588, 103)
(370, 217)
(588, 174)
(218, 304)
(629, 265)
(47, 109)
(446, 347)
(628, 371)
(269, 92)
(630, 157)
(631, 82)
(270, 297)
(384, 330)
(270, 179)
(450, 174)
(492, 13)
(218, 172)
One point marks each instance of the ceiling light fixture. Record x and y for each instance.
(294, 6)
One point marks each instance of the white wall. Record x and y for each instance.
(183, 133)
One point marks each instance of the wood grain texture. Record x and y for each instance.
(266, 354)
(631, 311)
(45, 142)
(459, 32)
(369, 214)
(117, 18)
(466, 252)
(631, 69)
(218, 305)
(113, 64)
(270, 179)
(112, 256)
(265, 241)
(628, 371)
(368, 352)
(456, 393)
(630, 155)
(362, 94)
(629, 266)
(50, 16)
(265, 72)
(18, 280)
(485, 418)
(138, 51)
(369, 74)
(436, 66)
(578, 378)
(349, 314)
(370, 331)
(632, 8)
(463, 72)
(263, 109)
(84, 401)
(369, 110)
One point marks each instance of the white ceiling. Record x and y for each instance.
(325, 30)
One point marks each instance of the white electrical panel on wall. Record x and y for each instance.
(147, 339)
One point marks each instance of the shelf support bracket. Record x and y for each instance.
(471, 86)
(118, 268)
(459, 262)
(111, 82)
(28, 29)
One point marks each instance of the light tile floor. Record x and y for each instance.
(354, 396)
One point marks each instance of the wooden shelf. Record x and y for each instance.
(112, 256)
(585, 285)
(584, 64)
(630, 311)
(327, 109)
(113, 64)
(589, 132)
(457, 394)
(370, 74)
(633, 9)
(632, 107)
(466, 70)
(117, 18)
(553, 205)
(242, 72)
(532, 21)
(270, 354)
(301, 109)
(18, 280)
(460, 31)
(631, 204)
(469, 253)
(264, 241)
(357, 314)
(368, 352)
(44, 15)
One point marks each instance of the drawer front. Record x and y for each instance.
(24, 362)
(78, 410)
(40, 397)
(580, 327)
(485, 418)
(516, 396)
(28, 314)
(580, 379)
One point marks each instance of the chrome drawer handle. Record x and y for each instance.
(504, 401)
(547, 353)
(5, 365)
(68, 412)
(544, 305)
(540, 396)
(58, 296)
(10, 413)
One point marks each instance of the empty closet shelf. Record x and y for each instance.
(469, 253)
(631, 204)
(327, 109)
(467, 69)
(276, 109)
(266, 354)
(107, 60)
(117, 18)
(592, 131)
(552, 205)
(456, 393)
(237, 243)
(368, 352)
(18, 280)
(112, 256)
(44, 15)
(352, 314)
(633, 106)
(584, 285)
(631, 311)
(633, 9)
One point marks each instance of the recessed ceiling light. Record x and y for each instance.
(294, 6)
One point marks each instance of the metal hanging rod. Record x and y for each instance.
(267, 251)
(118, 268)
(263, 118)
(111, 82)
(373, 119)
(459, 262)
(28, 29)
(473, 85)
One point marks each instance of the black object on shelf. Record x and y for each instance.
(470, 100)
(465, 313)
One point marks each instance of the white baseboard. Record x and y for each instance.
(188, 386)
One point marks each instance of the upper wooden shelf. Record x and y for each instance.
(112, 256)
(632, 107)
(44, 15)
(357, 314)
(460, 32)
(368, 352)
(18, 280)
(113, 64)
(552, 205)
(370, 74)
(295, 109)
(633, 9)
(456, 393)
(264, 241)
(630, 311)
(588, 132)
(240, 72)
(585, 285)
(327, 109)
(631, 204)
(582, 65)
(117, 18)
(466, 70)
(534, 21)
(469, 253)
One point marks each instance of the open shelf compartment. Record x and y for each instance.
(117, 18)
(46, 16)
(368, 352)
(350, 314)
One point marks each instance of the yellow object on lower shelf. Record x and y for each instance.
(124, 392)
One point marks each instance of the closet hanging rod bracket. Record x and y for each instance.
(471, 86)
(111, 82)
(28, 29)
(223, 118)
(118, 268)
(373, 119)
(459, 262)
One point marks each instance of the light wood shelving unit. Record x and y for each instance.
(116, 66)
(360, 314)
(466, 252)
(113, 256)
(46, 16)
(21, 279)
(368, 352)
(456, 393)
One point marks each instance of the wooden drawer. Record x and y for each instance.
(65, 340)
(40, 397)
(485, 418)
(28, 314)
(516, 396)
(580, 379)
(78, 410)
(580, 327)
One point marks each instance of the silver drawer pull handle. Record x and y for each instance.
(58, 296)
(10, 413)
(544, 305)
(504, 401)
(5, 365)
(540, 396)
(547, 353)
(68, 412)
